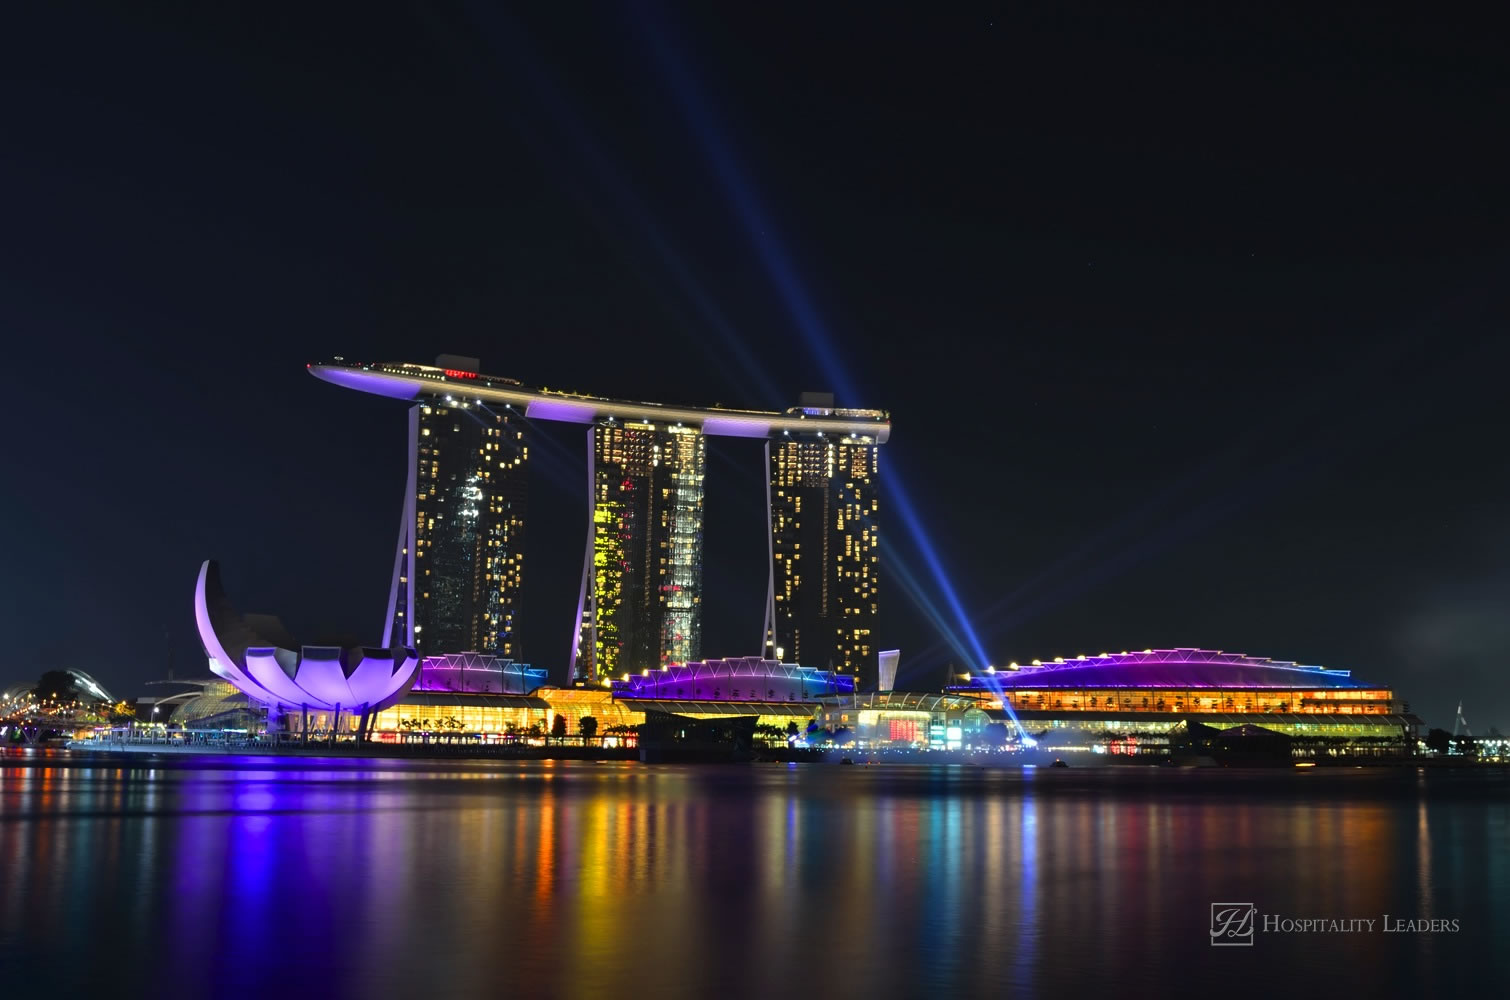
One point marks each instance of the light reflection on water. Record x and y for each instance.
(364, 879)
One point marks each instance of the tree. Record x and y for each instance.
(56, 684)
(589, 727)
(843, 736)
(995, 734)
(792, 729)
(1438, 740)
(558, 726)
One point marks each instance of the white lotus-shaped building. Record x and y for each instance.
(256, 654)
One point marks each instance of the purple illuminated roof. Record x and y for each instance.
(366, 382)
(410, 381)
(740, 678)
(478, 673)
(1167, 668)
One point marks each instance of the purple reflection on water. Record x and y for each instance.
(357, 878)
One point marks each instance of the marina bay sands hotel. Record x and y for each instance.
(459, 565)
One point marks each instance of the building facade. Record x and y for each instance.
(642, 579)
(825, 551)
(905, 720)
(460, 562)
(1143, 696)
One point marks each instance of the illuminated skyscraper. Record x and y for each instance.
(462, 540)
(642, 581)
(825, 548)
(459, 563)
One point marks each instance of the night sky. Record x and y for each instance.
(1192, 328)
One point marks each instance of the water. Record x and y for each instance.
(359, 879)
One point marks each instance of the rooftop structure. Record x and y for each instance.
(746, 678)
(1164, 668)
(478, 673)
(18, 695)
(410, 381)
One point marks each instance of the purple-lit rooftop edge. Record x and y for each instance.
(743, 678)
(1163, 668)
(402, 380)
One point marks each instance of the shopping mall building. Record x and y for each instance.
(1141, 696)
(776, 693)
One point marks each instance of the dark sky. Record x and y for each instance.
(1192, 327)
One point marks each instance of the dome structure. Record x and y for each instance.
(738, 678)
(16, 696)
(1167, 668)
(89, 686)
(257, 655)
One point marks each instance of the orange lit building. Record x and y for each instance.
(1151, 691)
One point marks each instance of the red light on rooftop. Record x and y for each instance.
(458, 373)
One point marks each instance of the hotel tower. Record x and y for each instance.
(825, 551)
(460, 558)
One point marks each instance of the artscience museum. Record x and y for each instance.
(347, 686)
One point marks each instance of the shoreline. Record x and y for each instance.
(780, 755)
